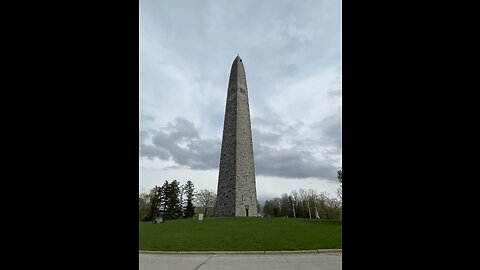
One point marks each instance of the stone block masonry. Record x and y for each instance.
(236, 191)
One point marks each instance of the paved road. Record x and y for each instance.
(302, 261)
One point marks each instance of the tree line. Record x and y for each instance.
(169, 201)
(306, 204)
(173, 201)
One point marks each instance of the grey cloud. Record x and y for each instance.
(163, 139)
(180, 141)
(143, 136)
(173, 167)
(331, 128)
(265, 137)
(271, 125)
(205, 154)
(183, 129)
(197, 155)
(146, 117)
(273, 130)
(151, 152)
(296, 161)
(290, 163)
(292, 70)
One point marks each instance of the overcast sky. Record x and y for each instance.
(291, 51)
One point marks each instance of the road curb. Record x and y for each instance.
(244, 252)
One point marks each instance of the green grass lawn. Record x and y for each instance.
(239, 233)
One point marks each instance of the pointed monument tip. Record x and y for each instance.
(238, 58)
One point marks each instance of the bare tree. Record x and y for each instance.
(335, 206)
(322, 201)
(206, 198)
(295, 200)
(143, 206)
(304, 197)
(339, 192)
(312, 197)
(292, 202)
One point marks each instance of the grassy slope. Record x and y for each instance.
(241, 234)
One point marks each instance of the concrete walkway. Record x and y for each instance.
(241, 261)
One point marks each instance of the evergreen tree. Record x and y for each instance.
(172, 205)
(178, 206)
(189, 191)
(156, 197)
(163, 199)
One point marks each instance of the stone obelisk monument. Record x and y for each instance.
(237, 194)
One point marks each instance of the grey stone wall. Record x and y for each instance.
(236, 190)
